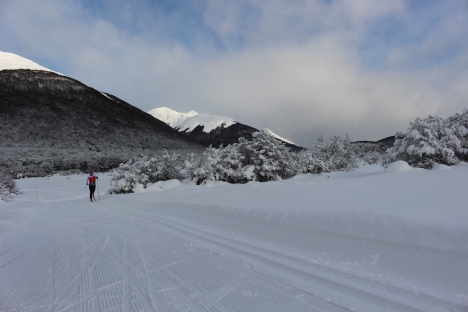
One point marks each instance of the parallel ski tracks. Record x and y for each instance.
(234, 287)
(373, 290)
(103, 265)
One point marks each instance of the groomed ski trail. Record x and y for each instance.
(126, 253)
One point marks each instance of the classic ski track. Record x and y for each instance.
(175, 277)
(323, 305)
(20, 239)
(303, 266)
(450, 273)
(104, 270)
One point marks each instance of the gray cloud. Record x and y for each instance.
(294, 67)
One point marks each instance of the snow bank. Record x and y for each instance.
(398, 166)
(441, 167)
(156, 187)
(422, 209)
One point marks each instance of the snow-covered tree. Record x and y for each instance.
(458, 124)
(144, 170)
(129, 174)
(312, 161)
(8, 187)
(340, 154)
(234, 165)
(210, 168)
(169, 166)
(369, 153)
(272, 158)
(336, 155)
(426, 143)
(191, 165)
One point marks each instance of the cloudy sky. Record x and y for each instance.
(299, 67)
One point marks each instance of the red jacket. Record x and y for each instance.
(91, 180)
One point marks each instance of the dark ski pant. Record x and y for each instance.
(92, 188)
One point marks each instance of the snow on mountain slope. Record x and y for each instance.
(171, 117)
(209, 122)
(13, 61)
(277, 136)
(189, 121)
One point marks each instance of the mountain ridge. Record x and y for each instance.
(211, 129)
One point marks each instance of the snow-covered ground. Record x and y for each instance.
(369, 240)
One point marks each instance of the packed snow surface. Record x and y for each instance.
(13, 61)
(369, 240)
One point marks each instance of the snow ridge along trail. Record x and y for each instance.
(258, 247)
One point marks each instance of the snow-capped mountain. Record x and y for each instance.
(171, 117)
(11, 61)
(210, 129)
(51, 122)
(187, 122)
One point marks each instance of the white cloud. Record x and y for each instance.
(294, 67)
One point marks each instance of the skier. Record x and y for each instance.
(91, 181)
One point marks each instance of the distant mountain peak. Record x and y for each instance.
(170, 116)
(210, 129)
(11, 61)
(187, 122)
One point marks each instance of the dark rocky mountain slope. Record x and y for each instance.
(51, 122)
(385, 142)
(227, 135)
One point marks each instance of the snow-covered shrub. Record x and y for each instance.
(128, 175)
(8, 187)
(191, 165)
(369, 153)
(426, 143)
(311, 161)
(234, 167)
(169, 166)
(336, 155)
(271, 158)
(145, 170)
(458, 124)
(209, 166)
(262, 159)
(340, 154)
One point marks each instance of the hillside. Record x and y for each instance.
(211, 129)
(52, 122)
